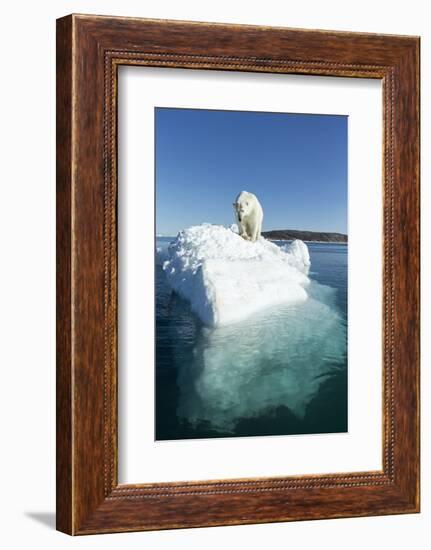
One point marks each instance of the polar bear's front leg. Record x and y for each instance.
(256, 232)
(243, 231)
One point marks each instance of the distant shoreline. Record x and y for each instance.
(306, 236)
(305, 241)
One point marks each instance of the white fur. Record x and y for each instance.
(249, 215)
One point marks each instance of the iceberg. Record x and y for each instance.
(227, 279)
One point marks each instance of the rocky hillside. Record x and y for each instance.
(291, 234)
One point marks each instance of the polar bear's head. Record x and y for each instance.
(244, 204)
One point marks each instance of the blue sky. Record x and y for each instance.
(296, 164)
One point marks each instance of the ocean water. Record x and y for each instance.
(280, 372)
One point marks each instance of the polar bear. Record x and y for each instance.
(249, 215)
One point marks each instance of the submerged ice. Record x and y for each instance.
(227, 279)
(276, 359)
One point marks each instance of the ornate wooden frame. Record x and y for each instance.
(89, 51)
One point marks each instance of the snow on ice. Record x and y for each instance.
(227, 279)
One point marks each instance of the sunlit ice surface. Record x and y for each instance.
(226, 278)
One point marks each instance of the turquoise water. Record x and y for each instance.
(281, 372)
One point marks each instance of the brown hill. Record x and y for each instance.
(291, 234)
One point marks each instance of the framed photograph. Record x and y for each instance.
(237, 274)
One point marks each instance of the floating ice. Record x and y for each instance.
(299, 256)
(277, 358)
(227, 279)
